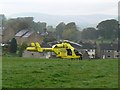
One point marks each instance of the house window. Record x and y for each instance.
(88, 50)
(108, 51)
(117, 56)
(117, 50)
(108, 56)
(92, 50)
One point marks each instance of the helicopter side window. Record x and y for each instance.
(69, 52)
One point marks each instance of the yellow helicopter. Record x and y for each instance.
(62, 50)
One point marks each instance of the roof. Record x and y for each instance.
(28, 34)
(22, 32)
(107, 46)
(73, 44)
(77, 46)
(88, 46)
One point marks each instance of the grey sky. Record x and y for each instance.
(59, 7)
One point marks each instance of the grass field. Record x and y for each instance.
(58, 73)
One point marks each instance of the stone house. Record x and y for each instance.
(88, 50)
(26, 36)
(109, 51)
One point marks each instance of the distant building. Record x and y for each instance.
(85, 55)
(109, 51)
(88, 50)
(19, 36)
(26, 36)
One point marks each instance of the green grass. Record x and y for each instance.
(58, 73)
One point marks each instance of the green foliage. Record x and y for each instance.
(19, 23)
(89, 33)
(108, 29)
(50, 28)
(70, 31)
(38, 26)
(59, 30)
(22, 48)
(59, 73)
(50, 37)
(13, 46)
(8, 54)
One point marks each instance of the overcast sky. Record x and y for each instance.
(59, 7)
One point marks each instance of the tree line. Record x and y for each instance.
(107, 29)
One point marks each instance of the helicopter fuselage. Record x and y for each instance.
(63, 50)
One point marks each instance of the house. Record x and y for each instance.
(85, 55)
(27, 36)
(109, 51)
(19, 35)
(88, 50)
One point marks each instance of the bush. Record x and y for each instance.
(22, 48)
(13, 46)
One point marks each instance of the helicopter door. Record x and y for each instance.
(69, 52)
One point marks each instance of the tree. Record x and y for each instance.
(19, 24)
(59, 30)
(50, 28)
(39, 26)
(108, 29)
(2, 21)
(70, 32)
(89, 33)
(50, 37)
(22, 48)
(13, 46)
